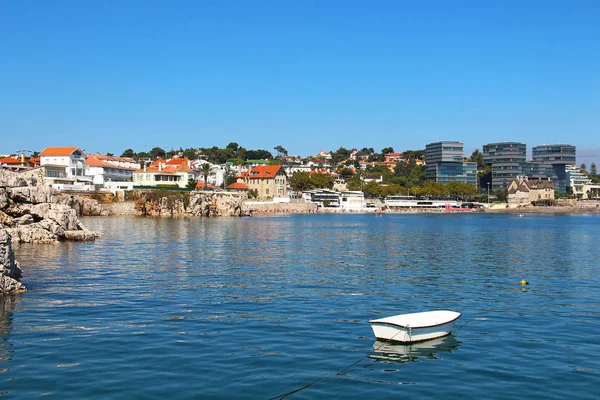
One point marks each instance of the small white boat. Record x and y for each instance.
(415, 327)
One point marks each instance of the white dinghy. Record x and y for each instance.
(415, 327)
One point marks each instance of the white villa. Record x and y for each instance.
(65, 168)
(174, 172)
(115, 173)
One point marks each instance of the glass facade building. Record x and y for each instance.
(444, 163)
(507, 160)
(556, 157)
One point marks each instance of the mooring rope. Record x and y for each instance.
(343, 371)
(339, 373)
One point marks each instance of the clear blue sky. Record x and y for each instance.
(308, 75)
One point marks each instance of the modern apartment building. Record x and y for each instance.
(444, 163)
(507, 160)
(576, 179)
(555, 157)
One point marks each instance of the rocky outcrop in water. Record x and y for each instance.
(28, 213)
(10, 272)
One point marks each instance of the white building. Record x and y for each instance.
(576, 179)
(348, 200)
(174, 172)
(65, 168)
(110, 173)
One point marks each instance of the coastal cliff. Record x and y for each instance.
(29, 215)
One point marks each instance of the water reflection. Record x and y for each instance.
(405, 353)
(7, 307)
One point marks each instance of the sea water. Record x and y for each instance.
(263, 306)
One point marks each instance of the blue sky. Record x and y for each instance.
(307, 75)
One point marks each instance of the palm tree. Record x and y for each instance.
(205, 171)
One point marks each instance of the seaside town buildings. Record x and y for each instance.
(269, 182)
(548, 162)
(70, 168)
(445, 163)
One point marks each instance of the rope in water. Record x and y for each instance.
(339, 373)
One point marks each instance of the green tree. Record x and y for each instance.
(477, 157)
(583, 167)
(501, 195)
(191, 184)
(387, 150)
(229, 176)
(157, 152)
(128, 153)
(281, 151)
(593, 170)
(233, 146)
(205, 170)
(340, 155)
(346, 173)
(301, 182)
(372, 189)
(190, 154)
(258, 155)
(322, 181)
(413, 154)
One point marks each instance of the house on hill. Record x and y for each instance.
(269, 182)
(523, 192)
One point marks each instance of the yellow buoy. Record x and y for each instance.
(524, 282)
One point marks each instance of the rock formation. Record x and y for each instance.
(28, 213)
(10, 272)
(206, 204)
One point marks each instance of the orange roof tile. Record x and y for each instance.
(10, 160)
(200, 185)
(237, 186)
(93, 161)
(58, 151)
(262, 172)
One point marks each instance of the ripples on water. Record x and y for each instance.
(256, 307)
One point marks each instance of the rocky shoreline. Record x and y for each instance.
(28, 214)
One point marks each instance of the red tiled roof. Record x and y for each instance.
(113, 158)
(58, 151)
(262, 172)
(178, 167)
(10, 160)
(35, 161)
(237, 186)
(93, 161)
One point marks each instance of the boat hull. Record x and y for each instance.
(411, 328)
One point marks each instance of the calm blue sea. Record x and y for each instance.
(259, 307)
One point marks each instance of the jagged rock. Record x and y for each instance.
(64, 216)
(10, 271)
(31, 194)
(36, 233)
(4, 198)
(26, 219)
(81, 236)
(10, 179)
